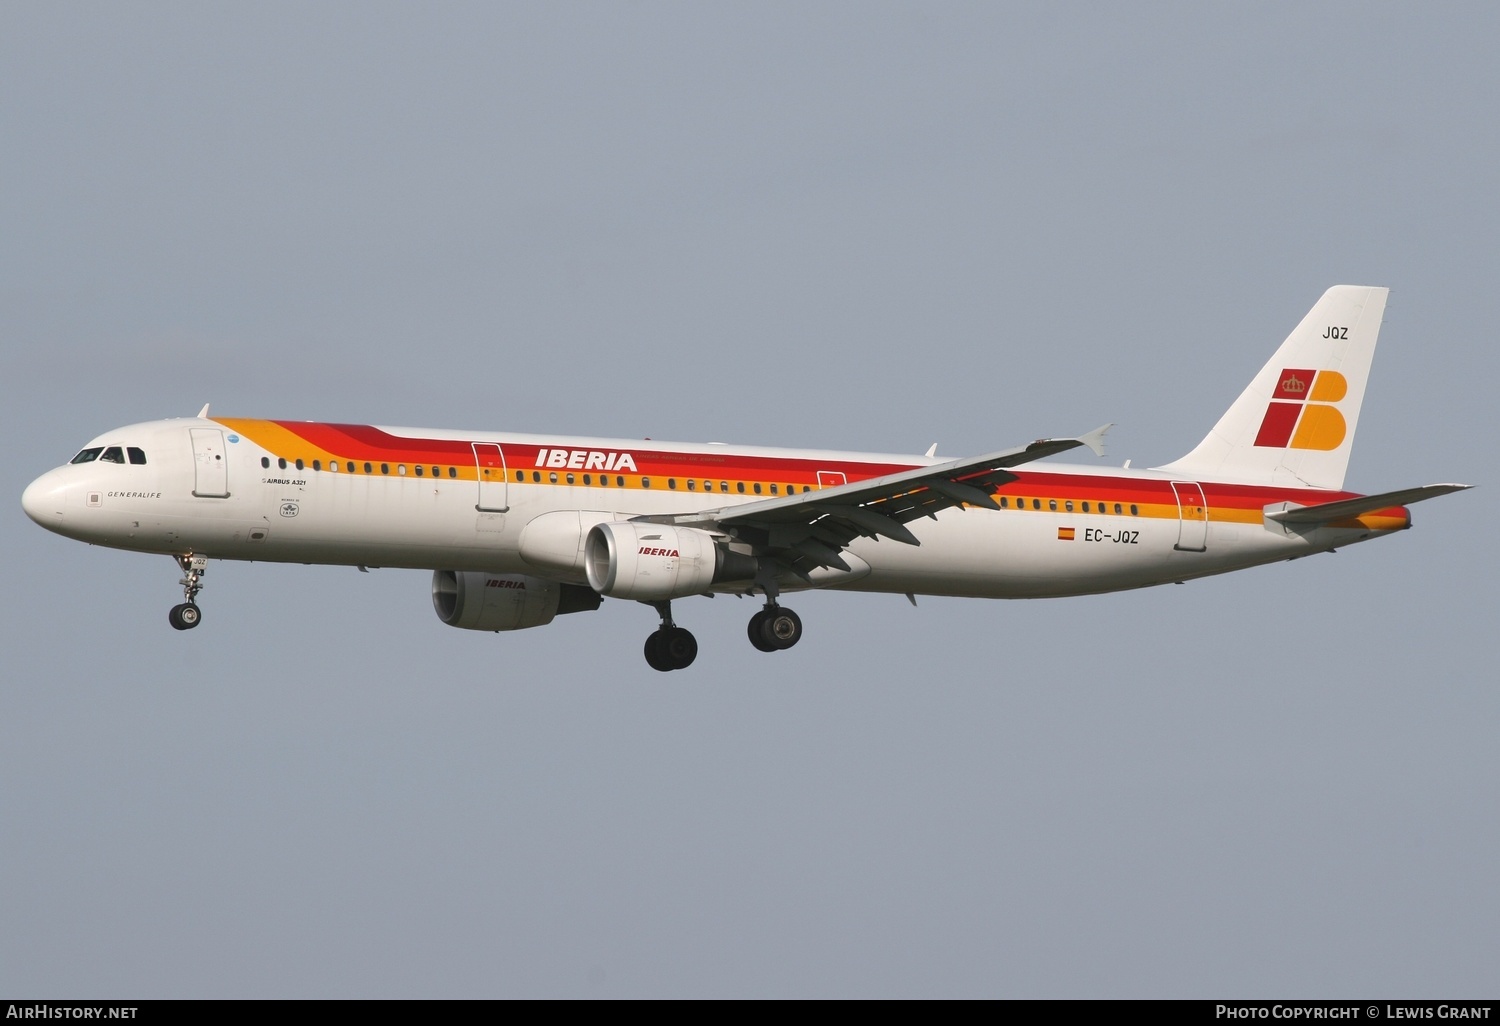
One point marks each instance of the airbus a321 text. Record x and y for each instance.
(520, 528)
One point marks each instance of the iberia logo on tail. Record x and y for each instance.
(1301, 414)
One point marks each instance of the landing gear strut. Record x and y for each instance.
(670, 647)
(186, 615)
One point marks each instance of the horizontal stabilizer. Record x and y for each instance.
(1344, 509)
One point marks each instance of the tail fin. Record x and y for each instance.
(1295, 424)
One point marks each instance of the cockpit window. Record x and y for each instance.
(87, 456)
(112, 455)
(137, 456)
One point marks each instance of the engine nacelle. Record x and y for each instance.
(654, 562)
(504, 602)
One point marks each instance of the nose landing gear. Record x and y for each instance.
(670, 647)
(186, 615)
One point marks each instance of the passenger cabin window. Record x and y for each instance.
(265, 462)
(137, 456)
(87, 456)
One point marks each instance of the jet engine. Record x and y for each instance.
(655, 562)
(504, 602)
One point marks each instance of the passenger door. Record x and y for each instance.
(489, 461)
(210, 468)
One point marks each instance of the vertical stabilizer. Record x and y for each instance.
(1295, 424)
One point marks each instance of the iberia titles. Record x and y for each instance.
(584, 459)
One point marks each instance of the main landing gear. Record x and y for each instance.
(775, 628)
(186, 615)
(670, 647)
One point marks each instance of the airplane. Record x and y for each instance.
(519, 529)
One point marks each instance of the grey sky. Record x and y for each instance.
(839, 225)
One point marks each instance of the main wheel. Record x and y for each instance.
(184, 616)
(679, 647)
(656, 656)
(757, 632)
(782, 628)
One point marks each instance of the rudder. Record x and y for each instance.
(1294, 425)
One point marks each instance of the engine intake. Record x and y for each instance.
(504, 602)
(654, 563)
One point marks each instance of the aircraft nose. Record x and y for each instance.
(44, 499)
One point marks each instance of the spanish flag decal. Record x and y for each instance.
(1065, 534)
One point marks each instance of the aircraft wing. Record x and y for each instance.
(1345, 509)
(809, 529)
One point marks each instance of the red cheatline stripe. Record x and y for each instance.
(363, 442)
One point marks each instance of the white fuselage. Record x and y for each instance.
(207, 488)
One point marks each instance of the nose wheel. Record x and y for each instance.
(670, 647)
(186, 615)
(775, 628)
